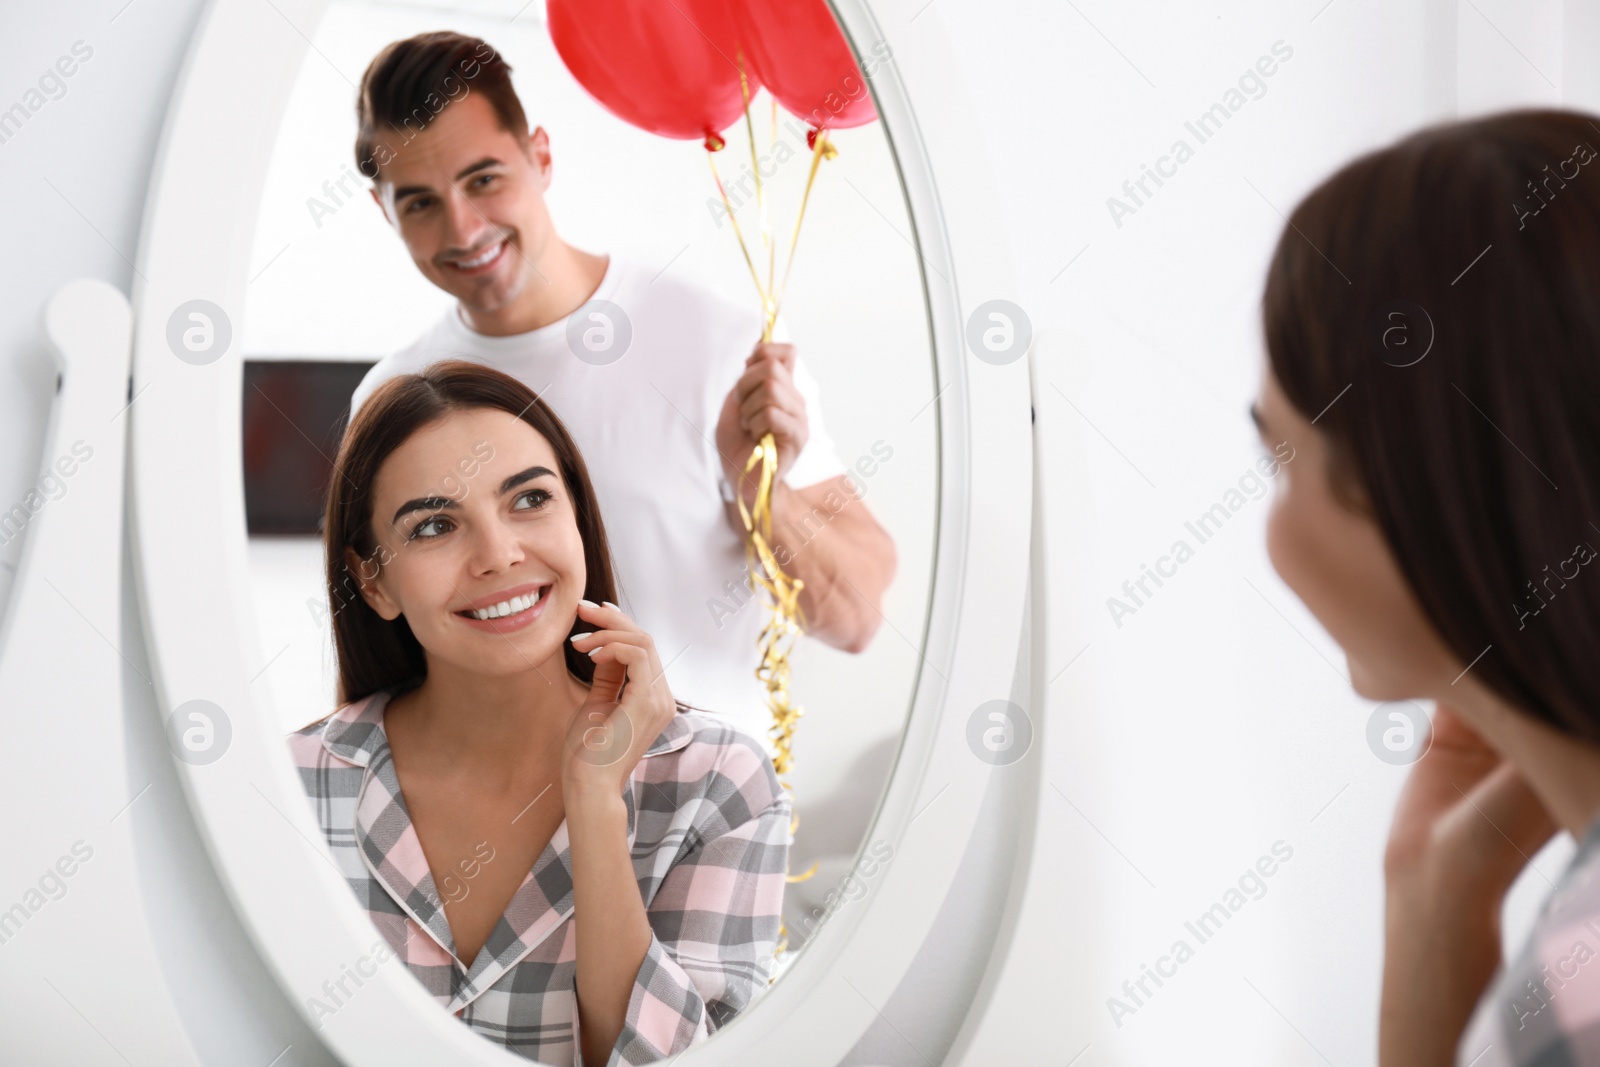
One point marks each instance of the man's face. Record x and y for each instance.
(467, 197)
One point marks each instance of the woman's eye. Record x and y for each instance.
(483, 179)
(543, 498)
(418, 531)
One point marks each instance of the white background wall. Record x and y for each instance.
(1218, 719)
(1177, 747)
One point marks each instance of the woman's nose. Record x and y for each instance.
(496, 546)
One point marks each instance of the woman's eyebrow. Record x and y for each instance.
(421, 503)
(524, 476)
(435, 502)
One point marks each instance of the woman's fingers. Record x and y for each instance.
(620, 652)
(645, 690)
(624, 653)
(606, 614)
(643, 667)
(598, 638)
(1457, 758)
(639, 714)
(622, 631)
(1503, 823)
(1429, 815)
(595, 643)
(614, 623)
(1451, 732)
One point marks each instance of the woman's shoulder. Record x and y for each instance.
(342, 734)
(712, 756)
(710, 731)
(711, 728)
(1533, 1010)
(305, 744)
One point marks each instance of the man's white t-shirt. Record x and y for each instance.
(646, 425)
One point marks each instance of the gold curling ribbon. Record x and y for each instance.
(786, 619)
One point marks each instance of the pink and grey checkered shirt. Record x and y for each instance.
(1542, 1008)
(708, 827)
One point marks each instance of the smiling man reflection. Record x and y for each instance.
(656, 378)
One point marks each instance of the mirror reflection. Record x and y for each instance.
(506, 364)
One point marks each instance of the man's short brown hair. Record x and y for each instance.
(411, 81)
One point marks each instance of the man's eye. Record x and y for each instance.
(416, 204)
(483, 179)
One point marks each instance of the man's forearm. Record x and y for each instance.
(832, 543)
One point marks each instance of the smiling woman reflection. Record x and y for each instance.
(581, 880)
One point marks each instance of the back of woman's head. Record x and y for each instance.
(1451, 283)
(375, 653)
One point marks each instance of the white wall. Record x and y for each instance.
(1179, 746)
(74, 180)
(1217, 720)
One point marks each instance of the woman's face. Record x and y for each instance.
(1339, 564)
(468, 513)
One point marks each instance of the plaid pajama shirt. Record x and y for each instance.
(708, 829)
(1543, 1006)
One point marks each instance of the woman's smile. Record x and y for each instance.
(508, 610)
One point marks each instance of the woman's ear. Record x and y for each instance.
(366, 575)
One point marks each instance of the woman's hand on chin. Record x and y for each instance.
(1464, 827)
(608, 736)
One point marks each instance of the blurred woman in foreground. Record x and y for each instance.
(1432, 325)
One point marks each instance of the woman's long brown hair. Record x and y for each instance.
(1480, 460)
(374, 653)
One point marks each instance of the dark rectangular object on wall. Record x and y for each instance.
(294, 416)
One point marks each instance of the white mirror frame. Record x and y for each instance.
(189, 550)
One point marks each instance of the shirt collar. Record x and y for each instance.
(355, 732)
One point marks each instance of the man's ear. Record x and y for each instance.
(365, 573)
(539, 153)
(377, 198)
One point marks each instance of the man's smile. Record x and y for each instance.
(482, 261)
